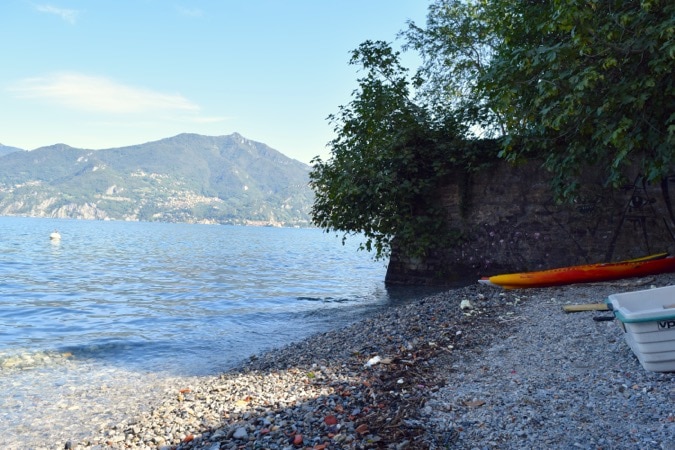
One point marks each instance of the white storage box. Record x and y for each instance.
(648, 320)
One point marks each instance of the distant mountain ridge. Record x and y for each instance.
(185, 178)
(6, 149)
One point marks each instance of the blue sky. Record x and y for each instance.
(110, 73)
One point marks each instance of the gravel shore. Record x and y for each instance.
(475, 367)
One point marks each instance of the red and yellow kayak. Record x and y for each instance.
(639, 267)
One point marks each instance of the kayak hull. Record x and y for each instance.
(649, 265)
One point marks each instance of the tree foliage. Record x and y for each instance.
(579, 82)
(387, 161)
(573, 83)
(457, 45)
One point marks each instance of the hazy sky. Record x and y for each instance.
(109, 73)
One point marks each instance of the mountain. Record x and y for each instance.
(6, 149)
(186, 178)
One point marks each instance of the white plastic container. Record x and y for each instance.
(648, 320)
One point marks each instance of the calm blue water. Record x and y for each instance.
(181, 298)
(103, 324)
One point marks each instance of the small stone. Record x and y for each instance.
(240, 433)
(372, 361)
(331, 420)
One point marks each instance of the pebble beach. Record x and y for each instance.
(470, 368)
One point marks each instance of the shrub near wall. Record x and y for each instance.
(506, 220)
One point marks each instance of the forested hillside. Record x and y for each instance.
(5, 149)
(186, 178)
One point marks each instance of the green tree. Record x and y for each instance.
(457, 45)
(386, 161)
(579, 83)
(575, 83)
(389, 159)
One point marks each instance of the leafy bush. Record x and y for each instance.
(388, 161)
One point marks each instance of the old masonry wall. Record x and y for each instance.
(508, 222)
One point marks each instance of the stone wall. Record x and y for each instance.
(509, 222)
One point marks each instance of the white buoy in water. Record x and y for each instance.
(55, 236)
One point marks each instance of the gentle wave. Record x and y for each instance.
(139, 293)
(117, 310)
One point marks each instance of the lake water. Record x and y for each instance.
(128, 301)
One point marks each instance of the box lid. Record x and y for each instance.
(644, 306)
